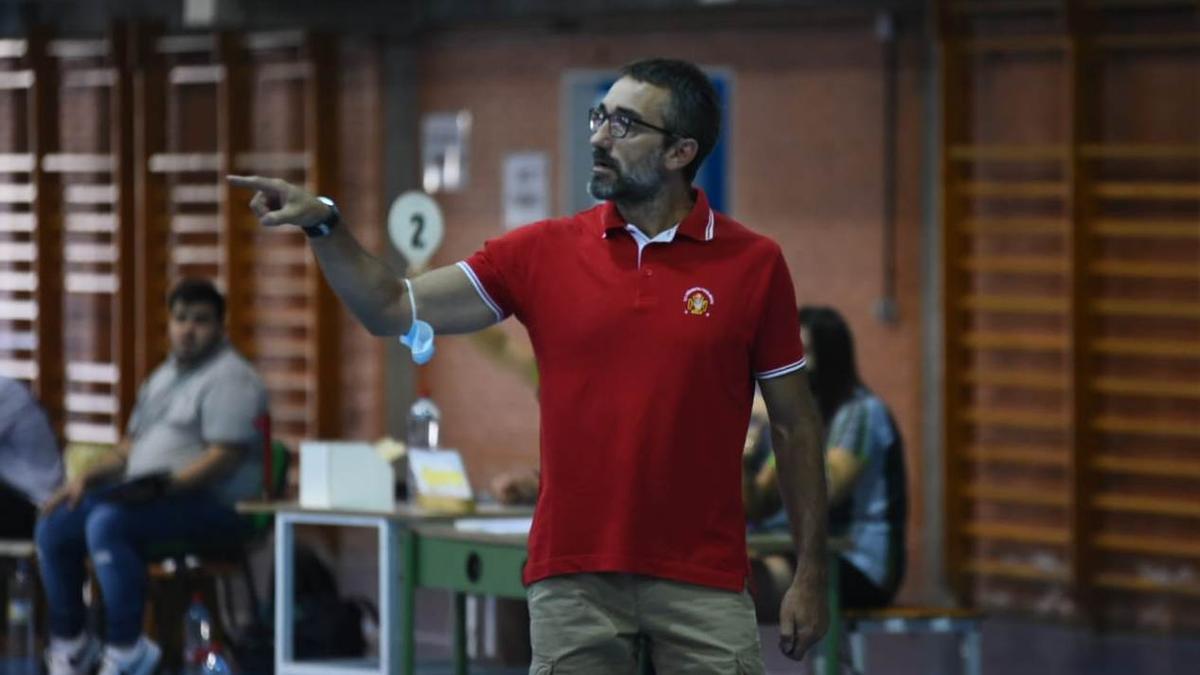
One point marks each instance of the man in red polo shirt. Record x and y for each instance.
(651, 318)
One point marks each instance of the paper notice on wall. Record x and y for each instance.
(526, 188)
(445, 141)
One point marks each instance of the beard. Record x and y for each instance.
(642, 182)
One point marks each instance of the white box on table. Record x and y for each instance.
(345, 475)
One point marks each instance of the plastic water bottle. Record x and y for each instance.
(423, 420)
(215, 662)
(197, 636)
(20, 658)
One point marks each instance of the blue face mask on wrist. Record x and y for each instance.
(419, 338)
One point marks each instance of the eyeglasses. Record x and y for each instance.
(619, 123)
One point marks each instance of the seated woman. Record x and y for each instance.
(864, 465)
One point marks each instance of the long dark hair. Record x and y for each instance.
(833, 372)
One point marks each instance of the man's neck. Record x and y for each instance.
(662, 211)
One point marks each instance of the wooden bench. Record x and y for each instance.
(965, 623)
(17, 548)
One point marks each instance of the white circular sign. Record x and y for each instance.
(415, 226)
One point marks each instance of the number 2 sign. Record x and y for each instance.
(415, 226)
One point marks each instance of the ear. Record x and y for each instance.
(681, 153)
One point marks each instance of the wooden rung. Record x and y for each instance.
(186, 44)
(1016, 44)
(18, 340)
(17, 252)
(1118, 425)
(1150, 42)
(1017, 379)
(283, 318)
(78, 163)
(13, 48)
(18, 282)
(75, 48)
(195, 194)
(1147, 229)
(17, 222)
(1128, 582)
(1148, 191)
(1161, 308)
(284, 289)
(275, 39)
(281, 255)
(17, 193)
(92, 372)
(1139, 270)
(285, 381)
(16, 162)
(1013, 226)
(1029, 497)
(282, 348)
(104, 404)
(1016, 571)
(272, 162)
(1015, 419)
(1015, 265)
(1159, 506)
(186, 223)
(1140, 151)
(1013, 304)
(1139, 466)
(89, 78)
(1015, 189)
(289, 413)
(1027, 534)
(16, 79)
(165, 162)
(197, 74)
(1147, 545)
(90, 222)
(284, 71)
(77, 252)
(1008, 153)
(89, 282)
(90, 194)
(1019, 455)
(85, 432)
(197, 255)
(18, 310)
(19, 369)
(1027, 342)
(1136, 347)
(1134, 387)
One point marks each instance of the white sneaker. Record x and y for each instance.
(82, 661)
(144, 660)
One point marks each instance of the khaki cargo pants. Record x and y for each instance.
(597, 624)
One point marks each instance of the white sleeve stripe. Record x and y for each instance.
(782, 370)
(483, 294)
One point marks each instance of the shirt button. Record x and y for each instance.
(649, 272)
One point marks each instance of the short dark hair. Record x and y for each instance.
(834, 375)
(190, 291)
(695, 108)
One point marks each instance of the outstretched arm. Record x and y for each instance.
(377, 297)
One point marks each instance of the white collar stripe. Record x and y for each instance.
(483, 294)
(782, 370)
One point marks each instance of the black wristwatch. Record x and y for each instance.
(323, 228)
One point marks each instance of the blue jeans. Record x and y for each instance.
(116, 536)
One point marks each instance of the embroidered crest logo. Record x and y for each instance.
(697, 301)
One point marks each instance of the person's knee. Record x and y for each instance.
(50, 534)
(105, 526)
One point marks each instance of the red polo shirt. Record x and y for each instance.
(647, 372)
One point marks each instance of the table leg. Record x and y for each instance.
(390, 649)
(408, 544)
(833, 635)
(285, 594)
(460, 633)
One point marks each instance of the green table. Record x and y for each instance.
(476, 563)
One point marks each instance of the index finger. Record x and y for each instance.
(256, 183)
